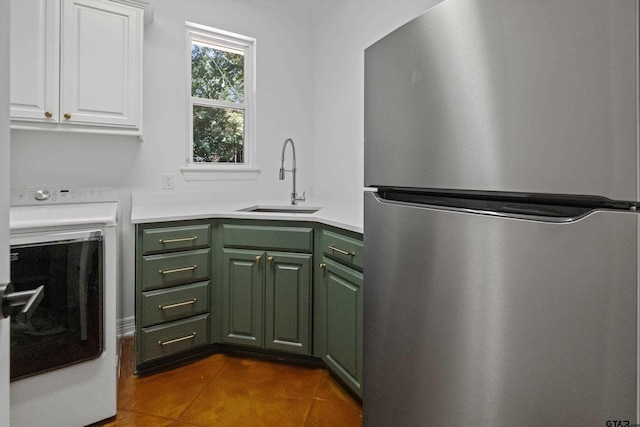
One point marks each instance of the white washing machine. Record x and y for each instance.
(64, 354)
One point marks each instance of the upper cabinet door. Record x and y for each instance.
(76, 65)
(101, 63)
(35, 52)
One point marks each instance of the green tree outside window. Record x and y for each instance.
(217, 90)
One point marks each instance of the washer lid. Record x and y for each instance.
(24, 218)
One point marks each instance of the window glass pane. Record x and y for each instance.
(217, 73)
(218, 135)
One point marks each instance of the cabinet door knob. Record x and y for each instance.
(67, 116)
(270, 259)
(48, 114)
(323, 265)
(258, 258)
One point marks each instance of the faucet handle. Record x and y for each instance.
(295, 199)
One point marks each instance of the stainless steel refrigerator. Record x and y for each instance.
(501, 232)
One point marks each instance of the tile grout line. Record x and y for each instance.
(314, 397)
(213, 377)
(146, 414)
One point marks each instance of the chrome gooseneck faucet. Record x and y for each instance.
(294, 196)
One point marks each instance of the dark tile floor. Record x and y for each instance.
(224, 390)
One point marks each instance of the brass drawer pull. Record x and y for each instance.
(178, 304)
(173, 341)
(178, 270)
(181, 239)
(340, 251)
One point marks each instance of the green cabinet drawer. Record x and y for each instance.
(298, 239)
(175, 337)
(165, 305)
(169, 239)
(343, 248)
(161, 271)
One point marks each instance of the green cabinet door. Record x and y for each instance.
(343, 316)
(288, 302)
(242, 309)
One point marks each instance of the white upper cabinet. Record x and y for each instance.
(76, 65)
(35, 56)
(100, 55)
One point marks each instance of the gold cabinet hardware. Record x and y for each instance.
(178, 304)
(323, 265)
(173, 341)
(181, 239)
(178, 270)
(341, 251)
(48, 114)
(67, 116)
(258, 258)
(270, 259)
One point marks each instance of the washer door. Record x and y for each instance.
(67, 326)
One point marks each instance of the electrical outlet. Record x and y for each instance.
(168, 180)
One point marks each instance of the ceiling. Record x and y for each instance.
(308, 9)
(309, 6)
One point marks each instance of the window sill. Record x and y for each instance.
(220, 173)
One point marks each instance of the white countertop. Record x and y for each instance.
(154, 207)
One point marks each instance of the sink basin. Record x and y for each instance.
(282, 209)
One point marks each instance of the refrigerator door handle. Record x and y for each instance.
(516, 209)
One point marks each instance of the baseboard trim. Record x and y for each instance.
(127, 326)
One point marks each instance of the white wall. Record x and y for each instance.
(340, 38)
(310, 80)
(284, 102)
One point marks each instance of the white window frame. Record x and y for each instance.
(248, 170)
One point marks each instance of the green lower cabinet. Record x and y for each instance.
(173, 291)
(266, 300)
(342, 296)
(243, 296)
(251, 284)
(288, 302)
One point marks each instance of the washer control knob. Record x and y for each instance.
(43, 195)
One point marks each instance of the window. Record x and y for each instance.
(221, 105)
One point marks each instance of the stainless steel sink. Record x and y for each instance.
(282, 209)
